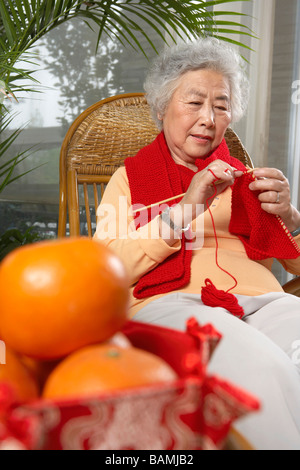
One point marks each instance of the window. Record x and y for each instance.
(284, 124)
(72, 77)
(271, 129)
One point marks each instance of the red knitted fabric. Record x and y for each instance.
(154, 176)
(263, 235)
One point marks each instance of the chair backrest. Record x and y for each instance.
(96, 144)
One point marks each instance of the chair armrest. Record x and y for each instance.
(236, 441)
(293, 287)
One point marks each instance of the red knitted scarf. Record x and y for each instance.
(154, 176)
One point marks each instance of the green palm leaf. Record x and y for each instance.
(23, 22)
(7, 168)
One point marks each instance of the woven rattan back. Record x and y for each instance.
(96, 145)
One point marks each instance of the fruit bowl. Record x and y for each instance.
(194, 412)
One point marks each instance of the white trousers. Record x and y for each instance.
(260, 353)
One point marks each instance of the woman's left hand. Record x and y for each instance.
(275, 196)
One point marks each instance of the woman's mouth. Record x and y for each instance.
(202, 139)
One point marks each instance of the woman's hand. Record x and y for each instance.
(202, 186)
(274, 195)
(206, 184)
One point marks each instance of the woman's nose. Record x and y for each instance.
(207, 117)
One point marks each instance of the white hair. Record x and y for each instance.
(204, 53)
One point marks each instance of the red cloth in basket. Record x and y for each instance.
(193, 413)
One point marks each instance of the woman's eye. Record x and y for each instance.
(221, 108)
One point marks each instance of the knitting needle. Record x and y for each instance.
(180, 195)
(250, 169)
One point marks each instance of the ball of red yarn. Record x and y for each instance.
(213, 297)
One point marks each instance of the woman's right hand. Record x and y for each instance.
(205, 185)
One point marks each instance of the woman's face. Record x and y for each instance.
(197, 116)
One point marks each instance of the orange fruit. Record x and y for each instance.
(39, 369)
(105, 368)
(60, 295)
(19, 378)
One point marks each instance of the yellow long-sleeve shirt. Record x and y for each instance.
(143, 250)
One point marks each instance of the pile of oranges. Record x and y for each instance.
(62, 306)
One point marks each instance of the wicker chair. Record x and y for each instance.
(96, 145)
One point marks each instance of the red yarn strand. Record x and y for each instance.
(210, 295)
(215, 232)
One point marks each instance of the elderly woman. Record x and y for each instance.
(208, 253)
